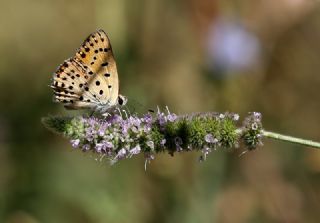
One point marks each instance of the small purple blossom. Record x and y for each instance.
(257, 115)
(75, 143)
(102, 129)
(125, 128)
(236, 117)
(115, 119)
(210, 139)
(147, 128)
(253, 121)
(136, 150)
(104, 146)
(86, 147)
(147, 119)
(172, 117)
(99, 147)
(162, 119)
(134, 121)
(121, 154)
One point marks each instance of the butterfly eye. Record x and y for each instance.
(122, 100)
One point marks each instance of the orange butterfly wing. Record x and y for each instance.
(90, 79)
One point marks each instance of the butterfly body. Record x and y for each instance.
(89, 80)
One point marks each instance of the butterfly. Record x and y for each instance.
(89, 80)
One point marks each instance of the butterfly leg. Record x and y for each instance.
(127, 109)
(124, 111)
(118, 109)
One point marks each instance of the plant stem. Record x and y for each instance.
(291, 139)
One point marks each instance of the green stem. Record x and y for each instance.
(291, 139)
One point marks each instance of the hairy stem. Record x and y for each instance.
(291, 139)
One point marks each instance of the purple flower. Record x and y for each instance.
(135, 121)
(104, 146)
(75, 143)
(121, 154)
(172, 117)
(102, 129)
(147, 119)
(99, 147)
(115, 119)
(136, 150)
(210, 139)
(125, 127)
(91, 121)
(253, 121)
(86, 147)
(108, 145)
(231, 47)
(162, 119)
(236, 117)
(257, 115)
(147, 128)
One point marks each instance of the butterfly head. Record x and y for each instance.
(122, 100)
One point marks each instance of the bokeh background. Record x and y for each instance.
(192, 55)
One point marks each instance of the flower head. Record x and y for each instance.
(117, 137)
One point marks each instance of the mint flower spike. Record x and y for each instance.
(117, 137)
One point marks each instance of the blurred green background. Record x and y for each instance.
(192, 55)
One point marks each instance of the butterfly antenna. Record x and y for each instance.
(141, 105)
(134, 109)
(125, 113)
(120, 113)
